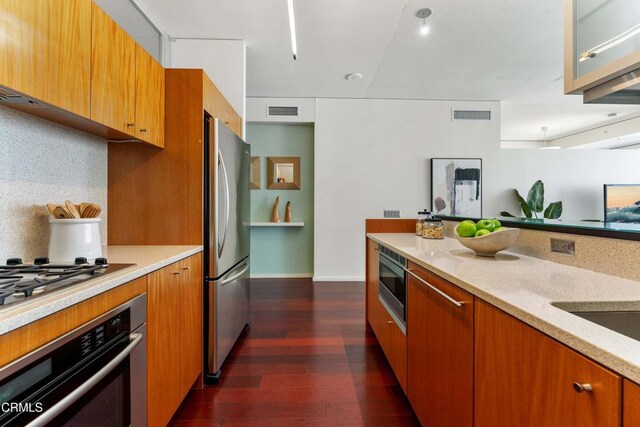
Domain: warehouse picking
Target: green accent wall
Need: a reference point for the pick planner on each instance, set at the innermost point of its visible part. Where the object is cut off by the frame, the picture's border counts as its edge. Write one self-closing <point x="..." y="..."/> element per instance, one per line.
<point x="282" y="250"/>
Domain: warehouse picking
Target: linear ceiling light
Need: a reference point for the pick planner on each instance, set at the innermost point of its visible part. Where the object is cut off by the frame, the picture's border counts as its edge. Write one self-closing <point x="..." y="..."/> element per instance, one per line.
<point x="591" y="53"/>
<point x="292" y="27"/>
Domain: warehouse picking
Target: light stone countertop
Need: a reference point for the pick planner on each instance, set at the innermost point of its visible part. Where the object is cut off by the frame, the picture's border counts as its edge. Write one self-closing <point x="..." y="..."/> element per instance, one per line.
<point x="145" y="258"/>
<point x="526" y="288"/>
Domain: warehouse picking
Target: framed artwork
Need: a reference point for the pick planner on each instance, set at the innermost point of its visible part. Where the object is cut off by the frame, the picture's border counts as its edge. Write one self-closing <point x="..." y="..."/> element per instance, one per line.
<point x="622" y="203"/>
<point x="254" y="184"/>
<point x="456" y="187"/>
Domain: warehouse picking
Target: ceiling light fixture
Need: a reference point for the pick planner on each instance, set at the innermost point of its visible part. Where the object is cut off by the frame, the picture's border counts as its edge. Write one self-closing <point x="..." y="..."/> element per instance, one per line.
<point x="353" y="77"/>
<point x="292" y="28"/>
<point x="424" y="14"/>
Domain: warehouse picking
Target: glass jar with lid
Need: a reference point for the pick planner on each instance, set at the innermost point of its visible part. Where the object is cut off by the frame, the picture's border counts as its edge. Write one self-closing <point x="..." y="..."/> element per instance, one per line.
<point x="422" y="216"/>
<point x="432" y="228"/>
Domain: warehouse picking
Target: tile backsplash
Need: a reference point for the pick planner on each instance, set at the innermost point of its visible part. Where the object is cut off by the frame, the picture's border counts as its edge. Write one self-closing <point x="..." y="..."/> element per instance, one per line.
<point x="43" y="162"/>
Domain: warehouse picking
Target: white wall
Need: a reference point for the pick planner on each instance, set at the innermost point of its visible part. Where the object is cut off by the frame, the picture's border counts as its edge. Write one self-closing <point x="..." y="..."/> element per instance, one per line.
<point x="224" y="61"/>
<point x="373" y="155"/>
<point x="257" y="109"/>
<point x="43" y="162"/>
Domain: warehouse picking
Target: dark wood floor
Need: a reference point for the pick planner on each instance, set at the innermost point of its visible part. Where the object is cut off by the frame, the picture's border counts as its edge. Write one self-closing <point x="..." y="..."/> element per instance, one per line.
<point x="307" y="359"/>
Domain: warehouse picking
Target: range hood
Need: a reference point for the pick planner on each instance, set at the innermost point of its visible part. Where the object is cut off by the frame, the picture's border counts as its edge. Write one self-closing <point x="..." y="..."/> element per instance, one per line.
<point x="621" y="90"/>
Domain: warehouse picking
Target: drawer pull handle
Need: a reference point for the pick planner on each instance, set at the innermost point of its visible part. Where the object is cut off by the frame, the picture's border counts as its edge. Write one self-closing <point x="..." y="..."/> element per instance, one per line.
<point x="185" y="268"/>
<point x="176" y="272"/>
<point x="434" y="289"/>
<point x="389" y="322"/>
<point x="582" y="387"/>
<point x="143" y="130"/>
<point x="130" y="125"/>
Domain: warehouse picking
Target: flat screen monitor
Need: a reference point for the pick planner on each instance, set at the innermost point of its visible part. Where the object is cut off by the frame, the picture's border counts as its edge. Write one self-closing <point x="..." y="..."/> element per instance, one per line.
<point x="622" y="203"/>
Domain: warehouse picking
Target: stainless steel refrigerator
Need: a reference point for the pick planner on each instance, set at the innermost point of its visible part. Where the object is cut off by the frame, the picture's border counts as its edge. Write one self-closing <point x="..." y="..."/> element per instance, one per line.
<point x="226" y="242"/>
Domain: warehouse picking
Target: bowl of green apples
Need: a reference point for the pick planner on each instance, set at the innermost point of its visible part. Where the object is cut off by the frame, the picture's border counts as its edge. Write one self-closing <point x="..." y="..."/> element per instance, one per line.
<point x="486" y="237"/>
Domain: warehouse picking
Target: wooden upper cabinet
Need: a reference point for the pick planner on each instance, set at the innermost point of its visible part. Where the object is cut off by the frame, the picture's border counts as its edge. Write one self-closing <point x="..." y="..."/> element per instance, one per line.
<point x="46" y="51"/>
<point x="149" y="111"/>
<point x="113" y="80"/>
<point x="440" y="351"/>
<point x="525" y="378"/>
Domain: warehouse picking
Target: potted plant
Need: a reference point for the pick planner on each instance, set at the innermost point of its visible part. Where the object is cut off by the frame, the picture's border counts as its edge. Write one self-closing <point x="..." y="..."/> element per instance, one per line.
<point x="534" y="204"/>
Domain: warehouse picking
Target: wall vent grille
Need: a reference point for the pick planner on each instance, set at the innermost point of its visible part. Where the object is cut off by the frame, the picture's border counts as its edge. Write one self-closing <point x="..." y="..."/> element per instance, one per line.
<point x="283" y="111"/>
<point x="471" y="115"/>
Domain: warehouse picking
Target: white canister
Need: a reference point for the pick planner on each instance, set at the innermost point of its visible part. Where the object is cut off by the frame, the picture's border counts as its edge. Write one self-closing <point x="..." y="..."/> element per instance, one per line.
<point x="71" y="238"/>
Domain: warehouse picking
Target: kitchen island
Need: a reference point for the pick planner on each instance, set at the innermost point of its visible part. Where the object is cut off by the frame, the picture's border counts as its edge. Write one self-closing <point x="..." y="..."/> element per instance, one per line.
<point x="512" y="338"/>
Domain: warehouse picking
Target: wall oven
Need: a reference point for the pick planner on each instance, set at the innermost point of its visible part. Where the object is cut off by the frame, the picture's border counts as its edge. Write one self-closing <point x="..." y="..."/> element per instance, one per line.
<point x="392" y="287"/>
<point x="94" y="375"/>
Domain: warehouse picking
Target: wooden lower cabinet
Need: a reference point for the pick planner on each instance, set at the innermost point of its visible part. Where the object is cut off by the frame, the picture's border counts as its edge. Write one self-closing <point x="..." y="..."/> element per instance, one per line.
<point x="439" y="351"/>
<point x="174" y="342"/>
<point x="372" y="282"/>
<point x="393" y="342"/>
<point x="631" y="404"/>
<point x="524" y="378"/>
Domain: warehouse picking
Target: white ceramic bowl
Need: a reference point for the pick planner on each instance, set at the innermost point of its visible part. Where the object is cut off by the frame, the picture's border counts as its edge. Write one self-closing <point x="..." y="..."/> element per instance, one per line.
<point x="490" y="244"/>
<point x="71" y="238"/>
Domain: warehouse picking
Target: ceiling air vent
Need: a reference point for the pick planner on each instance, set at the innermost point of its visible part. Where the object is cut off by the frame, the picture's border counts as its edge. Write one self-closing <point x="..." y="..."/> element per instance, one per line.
<point x="471" y="115"/>
<point x="283" y="111"/>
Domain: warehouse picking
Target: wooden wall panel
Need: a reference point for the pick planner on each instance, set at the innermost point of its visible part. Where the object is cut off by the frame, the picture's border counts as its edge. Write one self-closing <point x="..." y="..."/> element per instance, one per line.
<point x="388" y="225"/>
<point x="23" y="340"/>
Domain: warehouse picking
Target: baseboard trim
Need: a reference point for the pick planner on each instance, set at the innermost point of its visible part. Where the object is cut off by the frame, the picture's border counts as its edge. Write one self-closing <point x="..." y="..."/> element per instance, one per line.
<point x="282" y="276"/>
<point x="337" y="279"/>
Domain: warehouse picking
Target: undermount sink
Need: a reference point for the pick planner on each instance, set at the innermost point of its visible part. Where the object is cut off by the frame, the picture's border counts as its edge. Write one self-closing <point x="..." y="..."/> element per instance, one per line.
<point x="624" y="322"/>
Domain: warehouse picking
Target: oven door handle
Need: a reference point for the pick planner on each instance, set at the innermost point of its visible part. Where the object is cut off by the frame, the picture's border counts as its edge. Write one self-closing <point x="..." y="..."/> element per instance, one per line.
<point x="55" y="410"/>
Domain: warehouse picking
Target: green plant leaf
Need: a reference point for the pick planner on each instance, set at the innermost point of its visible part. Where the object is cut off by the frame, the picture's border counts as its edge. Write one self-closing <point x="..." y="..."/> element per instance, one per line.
<point x="553" y="211"/>
<point x="507" y="214"/>
<point x="526" y="210"/>
<point x="535" y="198"/>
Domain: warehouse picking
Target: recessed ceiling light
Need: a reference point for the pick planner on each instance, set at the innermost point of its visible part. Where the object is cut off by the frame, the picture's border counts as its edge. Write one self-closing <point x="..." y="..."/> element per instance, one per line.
<point x="612" y="115"/>
<point x="353" y="77"/>
<point x="424" y="14"/>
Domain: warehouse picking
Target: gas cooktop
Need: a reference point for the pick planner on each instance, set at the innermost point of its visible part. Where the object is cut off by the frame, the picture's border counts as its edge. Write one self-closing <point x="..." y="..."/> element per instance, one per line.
<point x="20" y="281"/>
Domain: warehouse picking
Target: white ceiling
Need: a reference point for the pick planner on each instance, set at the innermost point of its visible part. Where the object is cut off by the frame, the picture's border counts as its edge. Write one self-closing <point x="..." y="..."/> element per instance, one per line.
<point x="477" y="50"/>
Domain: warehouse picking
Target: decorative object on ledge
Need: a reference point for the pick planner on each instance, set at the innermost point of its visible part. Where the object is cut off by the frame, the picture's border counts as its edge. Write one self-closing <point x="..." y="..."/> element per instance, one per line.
<point x="287" y="212"/>
<point x="255" y="173"/>
<point x="622" y="203"/>
<point x="283" y="173"/>
<point x="275" y="217"/>
<point x="276" y="224"/>
<point x="456" y="187"/>
<point x="535" y="204"/>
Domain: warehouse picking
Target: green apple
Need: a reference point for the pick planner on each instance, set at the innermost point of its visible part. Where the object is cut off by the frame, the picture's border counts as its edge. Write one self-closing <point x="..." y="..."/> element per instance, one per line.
<point x="499" y="229"/>
<point x="496" y="223"/>
<point x="486" y="224"/>
<point x="466" y="229"/>
<point x="482" y="232"/>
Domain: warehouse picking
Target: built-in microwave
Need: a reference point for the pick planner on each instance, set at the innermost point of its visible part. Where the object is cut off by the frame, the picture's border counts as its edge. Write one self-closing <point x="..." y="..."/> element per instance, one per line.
<point x="392" y="286"/>
<point x="94" y="375"/>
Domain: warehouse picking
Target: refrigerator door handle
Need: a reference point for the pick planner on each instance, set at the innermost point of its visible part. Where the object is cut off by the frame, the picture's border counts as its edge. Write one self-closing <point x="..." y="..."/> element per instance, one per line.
<point x="235" y="276"/>
<point x="226" y="204"/>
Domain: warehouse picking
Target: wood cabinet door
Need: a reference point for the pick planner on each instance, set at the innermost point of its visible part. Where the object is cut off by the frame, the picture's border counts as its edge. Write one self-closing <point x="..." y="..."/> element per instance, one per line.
<point x="163" y="344"/>
<point x="372" y="281"/>
<point x="631" y="404"/>
<point x="440" y="351"/>
<point x="525" y="378"/>
<point x="46" y="51"/>
<point x="191" y="289"/>
<point x="394" y="344"/>
<point x="113" y="74"/>
<point x="149" y="114"/>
